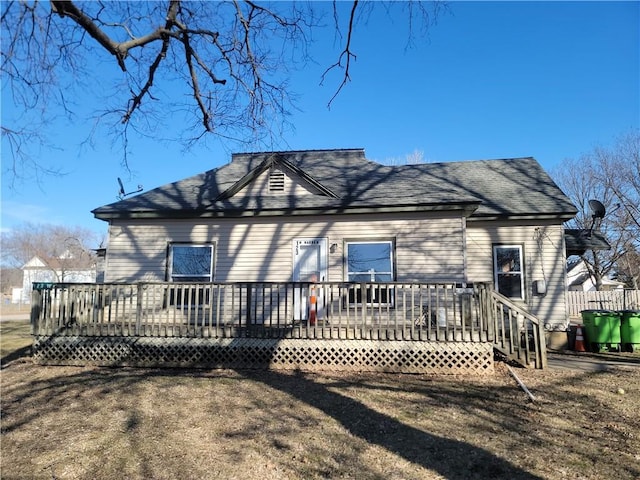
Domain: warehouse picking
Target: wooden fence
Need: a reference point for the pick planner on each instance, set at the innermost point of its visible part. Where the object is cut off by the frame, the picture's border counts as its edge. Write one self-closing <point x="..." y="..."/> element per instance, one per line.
<point x="618" y="299"/>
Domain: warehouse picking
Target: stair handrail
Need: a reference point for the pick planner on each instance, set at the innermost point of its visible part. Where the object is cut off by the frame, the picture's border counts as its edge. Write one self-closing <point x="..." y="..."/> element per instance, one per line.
<point x="494" y="309"/>
<point x="539" y="341"/>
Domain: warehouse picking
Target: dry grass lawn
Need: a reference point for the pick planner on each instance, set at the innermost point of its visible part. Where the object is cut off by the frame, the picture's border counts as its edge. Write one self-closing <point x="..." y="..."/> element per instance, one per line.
<point x="15" y="339"/>
<point x="99" y="423"/>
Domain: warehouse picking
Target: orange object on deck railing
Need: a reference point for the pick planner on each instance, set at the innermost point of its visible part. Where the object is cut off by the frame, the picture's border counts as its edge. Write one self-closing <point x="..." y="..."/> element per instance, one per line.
<point x="313" y="300"/>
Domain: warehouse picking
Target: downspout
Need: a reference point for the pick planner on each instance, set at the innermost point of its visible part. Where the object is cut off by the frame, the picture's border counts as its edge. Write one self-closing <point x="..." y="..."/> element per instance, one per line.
<point x="565" y="272"/>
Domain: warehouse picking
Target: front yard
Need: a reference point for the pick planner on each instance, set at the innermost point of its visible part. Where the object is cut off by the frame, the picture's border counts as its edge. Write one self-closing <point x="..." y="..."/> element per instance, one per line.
<point x="15" y="339"/>
<point x="100" y="423"/>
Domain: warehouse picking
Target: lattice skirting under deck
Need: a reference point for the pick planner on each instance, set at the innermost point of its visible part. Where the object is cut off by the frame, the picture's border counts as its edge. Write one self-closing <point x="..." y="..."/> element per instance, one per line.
<point x="318" y="355"/>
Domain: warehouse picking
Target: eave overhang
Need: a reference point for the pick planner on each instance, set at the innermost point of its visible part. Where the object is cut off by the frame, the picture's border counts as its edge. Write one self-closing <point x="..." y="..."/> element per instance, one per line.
<point x="463" y="208"/>
<point x="560" y="217"/>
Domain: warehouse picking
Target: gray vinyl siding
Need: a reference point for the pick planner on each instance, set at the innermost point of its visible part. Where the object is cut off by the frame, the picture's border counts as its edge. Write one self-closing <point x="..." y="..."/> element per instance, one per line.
<point x="428" y="248"/>
<point x="544" y="259"/>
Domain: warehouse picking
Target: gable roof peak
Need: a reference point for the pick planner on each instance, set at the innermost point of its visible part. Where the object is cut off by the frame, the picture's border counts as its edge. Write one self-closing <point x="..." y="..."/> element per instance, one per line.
<point x="281" y="161"/>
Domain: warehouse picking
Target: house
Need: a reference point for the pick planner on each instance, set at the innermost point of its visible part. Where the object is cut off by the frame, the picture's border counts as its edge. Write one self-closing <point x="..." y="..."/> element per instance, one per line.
<point x="55" y="269"/>
<point x="333" y="215"/>
<point x="323" y="259"/>
<point x="580" y="280"/>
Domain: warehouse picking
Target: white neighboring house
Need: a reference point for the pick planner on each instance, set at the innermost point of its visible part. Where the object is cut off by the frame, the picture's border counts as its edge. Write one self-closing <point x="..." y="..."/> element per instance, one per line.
<point x="579" y="279"/>
<point x="37" y="270"/>
<point x="16" y="295"/>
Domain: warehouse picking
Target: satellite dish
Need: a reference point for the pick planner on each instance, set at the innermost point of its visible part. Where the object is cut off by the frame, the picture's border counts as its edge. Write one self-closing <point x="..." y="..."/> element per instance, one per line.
<point x="598" y="214"/>
<point x="597" y="208"/>
<point x="121" y="192"/>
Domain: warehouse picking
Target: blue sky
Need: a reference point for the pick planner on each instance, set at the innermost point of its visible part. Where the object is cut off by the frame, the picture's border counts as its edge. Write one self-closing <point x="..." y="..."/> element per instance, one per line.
<point x="491" y="80"/>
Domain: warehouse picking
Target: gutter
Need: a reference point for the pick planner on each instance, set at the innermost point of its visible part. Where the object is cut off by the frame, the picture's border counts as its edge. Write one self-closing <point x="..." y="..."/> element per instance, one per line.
<point x="467" y="208"/>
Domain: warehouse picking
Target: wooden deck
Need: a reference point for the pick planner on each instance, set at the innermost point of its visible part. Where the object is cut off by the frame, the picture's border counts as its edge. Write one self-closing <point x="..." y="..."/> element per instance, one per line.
<point x="204" y="324"/>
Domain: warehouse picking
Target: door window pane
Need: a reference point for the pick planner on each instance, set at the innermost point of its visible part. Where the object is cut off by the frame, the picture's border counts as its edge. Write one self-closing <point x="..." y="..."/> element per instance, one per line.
<point x="309" y="263"/>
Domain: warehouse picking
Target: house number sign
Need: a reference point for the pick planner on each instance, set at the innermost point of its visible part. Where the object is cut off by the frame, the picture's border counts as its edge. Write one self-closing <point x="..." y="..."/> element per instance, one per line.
<point x="305" y="242"/>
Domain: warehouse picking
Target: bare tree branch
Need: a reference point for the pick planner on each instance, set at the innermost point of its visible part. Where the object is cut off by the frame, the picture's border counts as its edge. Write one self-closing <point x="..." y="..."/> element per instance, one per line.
<point x="346" y="53"/>
<point x="137" y="98"/>
<point x="188" y="51"/>
<point x="222" y="66"/>
<point x="68" y="9"/>
<point x="610" y="176"/>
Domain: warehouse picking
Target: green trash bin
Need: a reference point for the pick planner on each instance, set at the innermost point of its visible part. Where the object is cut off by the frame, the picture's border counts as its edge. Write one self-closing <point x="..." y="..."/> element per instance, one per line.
<point x="630" y="330"/>
<point x="602" y="329"/>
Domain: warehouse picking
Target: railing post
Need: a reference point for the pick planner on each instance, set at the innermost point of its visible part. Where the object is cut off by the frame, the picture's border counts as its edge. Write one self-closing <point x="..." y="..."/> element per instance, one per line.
<point x="139" y="290"/>
<point x="486" y="318"/>
<point x="36" y="311"/>
<point x="249" y="301"/>
<point x="363" y="309"/>
<point x="541" y="347"/>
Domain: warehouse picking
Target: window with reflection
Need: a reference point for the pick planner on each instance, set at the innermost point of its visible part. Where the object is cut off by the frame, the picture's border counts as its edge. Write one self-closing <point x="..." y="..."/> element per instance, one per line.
<point x="369" y="262"/>
<point x="508" y="272"/>
<point x="190" y="263"/>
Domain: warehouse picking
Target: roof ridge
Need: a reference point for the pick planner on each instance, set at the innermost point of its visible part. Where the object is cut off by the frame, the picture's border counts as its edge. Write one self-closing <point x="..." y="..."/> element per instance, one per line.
<point x="450" y="162"/>
<point x="280" y="152"/>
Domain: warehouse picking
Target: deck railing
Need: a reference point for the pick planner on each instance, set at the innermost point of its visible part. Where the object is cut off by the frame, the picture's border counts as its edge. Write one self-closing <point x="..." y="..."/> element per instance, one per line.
<point x="340" y="310"/>
<point x="514" y="332"/>
<point x="324" y="310"/>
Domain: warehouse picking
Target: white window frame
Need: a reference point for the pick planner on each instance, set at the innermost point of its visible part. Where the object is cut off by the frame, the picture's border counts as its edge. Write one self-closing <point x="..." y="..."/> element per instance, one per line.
<point x="374" y="300"/>
<point x="497" y="270"/>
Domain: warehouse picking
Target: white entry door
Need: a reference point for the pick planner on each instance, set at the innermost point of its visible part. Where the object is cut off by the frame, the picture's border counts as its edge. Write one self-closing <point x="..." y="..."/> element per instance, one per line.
<point x="309" y="265"/>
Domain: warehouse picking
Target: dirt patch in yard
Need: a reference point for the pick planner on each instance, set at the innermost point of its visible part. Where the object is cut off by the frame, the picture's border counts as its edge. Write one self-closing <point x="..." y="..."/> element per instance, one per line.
<point x="99" y="423"/>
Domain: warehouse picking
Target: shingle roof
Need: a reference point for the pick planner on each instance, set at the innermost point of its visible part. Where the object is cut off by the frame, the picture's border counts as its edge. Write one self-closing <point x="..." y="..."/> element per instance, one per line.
<point x="578" y="241"/>
<point x="490" y="188"/>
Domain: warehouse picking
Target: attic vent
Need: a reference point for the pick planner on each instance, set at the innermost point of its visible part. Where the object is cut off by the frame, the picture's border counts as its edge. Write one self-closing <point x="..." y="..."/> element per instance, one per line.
<point x="276" y="181"/>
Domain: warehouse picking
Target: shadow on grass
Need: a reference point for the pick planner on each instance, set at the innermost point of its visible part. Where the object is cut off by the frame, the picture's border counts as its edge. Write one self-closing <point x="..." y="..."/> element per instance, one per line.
<point x="487" y="410"/>
<point x="22" y="352"/>
<point x="450" y="458"/>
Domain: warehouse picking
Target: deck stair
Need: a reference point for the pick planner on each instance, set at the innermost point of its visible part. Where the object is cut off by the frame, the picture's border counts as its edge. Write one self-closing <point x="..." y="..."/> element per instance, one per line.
<point x="515" y="333"/>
